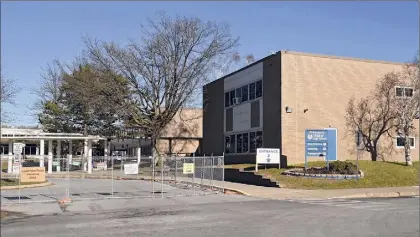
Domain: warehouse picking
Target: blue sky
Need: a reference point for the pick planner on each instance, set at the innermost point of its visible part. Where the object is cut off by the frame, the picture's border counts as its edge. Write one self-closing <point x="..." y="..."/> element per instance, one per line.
<point x="34" y="33"/>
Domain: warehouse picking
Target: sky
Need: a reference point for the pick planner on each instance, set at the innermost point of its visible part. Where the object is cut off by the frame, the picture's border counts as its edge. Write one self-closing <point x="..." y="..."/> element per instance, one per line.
<point x="35" y="33"/>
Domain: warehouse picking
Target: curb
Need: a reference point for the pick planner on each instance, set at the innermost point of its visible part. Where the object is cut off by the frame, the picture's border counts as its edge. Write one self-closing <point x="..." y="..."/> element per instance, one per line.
<point x="380" y="195"/>
<point x="27" y="186"/>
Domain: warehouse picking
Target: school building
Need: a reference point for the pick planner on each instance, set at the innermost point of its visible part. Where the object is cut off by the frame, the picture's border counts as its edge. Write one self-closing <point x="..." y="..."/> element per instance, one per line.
<point x="271" y="102"/>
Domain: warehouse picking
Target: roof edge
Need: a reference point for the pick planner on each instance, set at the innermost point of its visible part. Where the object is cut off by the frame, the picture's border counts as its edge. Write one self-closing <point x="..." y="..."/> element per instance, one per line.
<point x="341" y="57"/>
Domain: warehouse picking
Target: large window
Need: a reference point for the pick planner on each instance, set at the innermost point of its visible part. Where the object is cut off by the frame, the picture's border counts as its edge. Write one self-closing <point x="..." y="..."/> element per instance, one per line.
<point x="401" y="142"/>
<point x="245" y="93"/>
<point x="30" y="149"/>
<point x="245" y="143"/>
<point x="404" y="92"/>
<point x="252" y="91"/>
<point x="232" y="97"/>
<point x="4" y="150"/>
<point x="258" y="89"/>
<point x="232" y="144"/>
<point x="239" y="143"/>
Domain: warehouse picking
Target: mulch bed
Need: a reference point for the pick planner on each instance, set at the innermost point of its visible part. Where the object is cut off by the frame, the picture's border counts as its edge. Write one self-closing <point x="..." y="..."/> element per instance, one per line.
<point x="324" y="170"/>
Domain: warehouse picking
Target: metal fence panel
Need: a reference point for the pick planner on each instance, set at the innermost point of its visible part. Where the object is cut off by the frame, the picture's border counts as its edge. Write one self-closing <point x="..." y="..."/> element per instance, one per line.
<point x="111" y="177"/>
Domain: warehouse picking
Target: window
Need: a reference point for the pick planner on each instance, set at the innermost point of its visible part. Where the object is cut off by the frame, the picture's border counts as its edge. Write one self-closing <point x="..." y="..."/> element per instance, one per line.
<point x="258" y="89"/>
<point x="227" y="144"/>
<point x="255" y="141"/>
<point x="232" y="96"/>
<point x="227" y="100"/>
<point x="239" y="93"/>
<point x="401" y="142"/>
<point x="239" y="143"/>
<point x="404" y="92"/>
<point x="232" y="144"/>
<point x="245" y="93"/>
<point x="251" y="91"/>
<point x="4" y="149"/>
<point x="258" y="139"/>
<point x="30" y="150"/>
<point x="245" y="143"/>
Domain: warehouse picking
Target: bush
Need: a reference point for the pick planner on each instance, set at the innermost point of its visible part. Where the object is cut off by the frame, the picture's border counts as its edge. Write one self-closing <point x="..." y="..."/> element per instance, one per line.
<point x="343" y="167"/>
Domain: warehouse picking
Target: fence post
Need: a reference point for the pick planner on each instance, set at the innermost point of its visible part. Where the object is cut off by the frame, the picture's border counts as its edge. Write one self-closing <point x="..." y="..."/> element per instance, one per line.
<point x="20" y="166"/>
<point x="176" y="169"/>
<point x="153" y="175"/>
<point x="202" y="170"/>
<point x="211" y="172"/>
<point x="223" y="174"/>
<point x="112" y="177"/>
<point x="161" y="176"/>
<point x="193" y="182"/>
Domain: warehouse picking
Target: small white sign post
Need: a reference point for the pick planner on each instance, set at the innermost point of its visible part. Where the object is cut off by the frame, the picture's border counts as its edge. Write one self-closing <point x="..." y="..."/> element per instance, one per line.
<point x="267" y="156"/>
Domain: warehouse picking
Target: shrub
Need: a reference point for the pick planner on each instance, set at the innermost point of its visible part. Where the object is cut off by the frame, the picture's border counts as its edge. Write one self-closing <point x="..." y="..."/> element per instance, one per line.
<point x="343" y="167"/>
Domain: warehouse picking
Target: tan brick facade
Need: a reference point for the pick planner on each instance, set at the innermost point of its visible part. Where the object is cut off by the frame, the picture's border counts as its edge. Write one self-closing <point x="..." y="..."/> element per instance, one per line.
<point x="184" y="132"/>
<point x="323" y="85"/>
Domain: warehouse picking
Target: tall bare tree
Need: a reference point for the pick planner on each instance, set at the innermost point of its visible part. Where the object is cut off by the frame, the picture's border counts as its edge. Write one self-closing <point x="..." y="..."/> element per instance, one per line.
<point x="170" y="63"/>
<point x="8" y="92"/>
<point x="407" y="105"/>
<point x="373" y="117"/>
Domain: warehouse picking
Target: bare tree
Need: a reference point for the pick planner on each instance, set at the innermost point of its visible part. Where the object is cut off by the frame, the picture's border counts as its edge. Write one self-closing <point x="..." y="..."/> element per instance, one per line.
<point x="373" y="117"/>
<point x="407" y="105"/>
<point x="8" y="92"/>
<point x="172" y="61"/>
<point x="232" y="63"/>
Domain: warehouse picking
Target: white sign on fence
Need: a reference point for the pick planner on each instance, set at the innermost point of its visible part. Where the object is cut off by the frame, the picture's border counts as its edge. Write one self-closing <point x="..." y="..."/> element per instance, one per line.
<point x="267" y="156"/>
<point x="17" y="148"/>
<point x="131" y="168"/>
<point x="102" y="166"/>
<point x="16" y="168"/>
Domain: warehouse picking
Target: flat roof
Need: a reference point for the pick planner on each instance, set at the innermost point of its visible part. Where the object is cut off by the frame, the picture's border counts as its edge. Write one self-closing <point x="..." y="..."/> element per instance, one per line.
<point x="305" y="54"/>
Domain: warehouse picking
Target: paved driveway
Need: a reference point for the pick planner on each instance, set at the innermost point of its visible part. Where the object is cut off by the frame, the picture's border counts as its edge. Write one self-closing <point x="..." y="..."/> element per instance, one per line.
<point x="221" y="215"/>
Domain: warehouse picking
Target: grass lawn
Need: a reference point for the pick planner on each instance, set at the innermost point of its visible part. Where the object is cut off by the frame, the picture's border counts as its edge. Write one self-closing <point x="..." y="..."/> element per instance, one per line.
<point x="377" y="174"/>
<point x="15" y="182"/>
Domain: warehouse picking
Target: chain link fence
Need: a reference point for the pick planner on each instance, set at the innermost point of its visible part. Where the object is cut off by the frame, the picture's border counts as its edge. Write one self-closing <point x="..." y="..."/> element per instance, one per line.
<point x="55" y="178"/>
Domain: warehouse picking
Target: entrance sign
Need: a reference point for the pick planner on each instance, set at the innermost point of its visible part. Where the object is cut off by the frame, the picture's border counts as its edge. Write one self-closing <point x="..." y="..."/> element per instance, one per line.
<point x="321" y="143"/>
<point x="131" y="168"/>
<point x="267" y="156"/>
<point x="32" y="174"/>
<point x="188" y="168"/>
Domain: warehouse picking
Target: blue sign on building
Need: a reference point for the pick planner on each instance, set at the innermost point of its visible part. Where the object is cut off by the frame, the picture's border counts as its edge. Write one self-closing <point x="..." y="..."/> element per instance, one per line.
<point x="321" y="143"/>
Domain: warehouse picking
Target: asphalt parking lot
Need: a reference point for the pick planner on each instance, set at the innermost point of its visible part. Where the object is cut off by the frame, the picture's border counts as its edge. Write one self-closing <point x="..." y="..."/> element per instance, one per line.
<point x="80" y="189"/>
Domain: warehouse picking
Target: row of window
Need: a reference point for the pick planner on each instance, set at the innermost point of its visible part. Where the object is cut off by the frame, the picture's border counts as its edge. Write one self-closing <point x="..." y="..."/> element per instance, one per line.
<point x="243" y="142"/>
<point x="251" y="91"/>
<point x="29" y="149"/>
<point x="404" y="91"/>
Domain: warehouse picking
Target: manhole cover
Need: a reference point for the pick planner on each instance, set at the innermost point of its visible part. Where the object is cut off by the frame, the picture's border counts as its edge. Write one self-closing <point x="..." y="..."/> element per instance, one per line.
<point x="159" y="192"/>
<point x="104" y="194"/>
<point x="13" y="198"/>
<point x="75" y="194"/>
